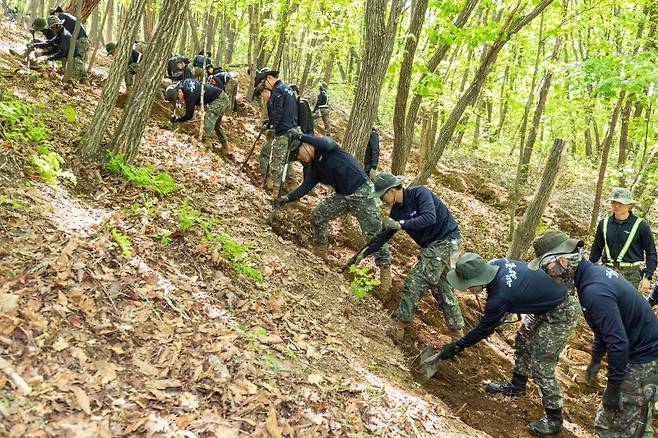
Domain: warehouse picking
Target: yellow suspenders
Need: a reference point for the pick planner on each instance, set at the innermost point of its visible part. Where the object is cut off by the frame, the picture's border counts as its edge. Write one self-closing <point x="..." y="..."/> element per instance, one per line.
<point x="624" y="249"/>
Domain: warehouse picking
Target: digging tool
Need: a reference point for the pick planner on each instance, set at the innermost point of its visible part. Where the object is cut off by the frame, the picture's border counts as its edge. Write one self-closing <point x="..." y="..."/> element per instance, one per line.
<point x="650" y="391"/>
<point x="352" y="260"/>
<point x="251" y="151"/>
<point x="429" y="360"/>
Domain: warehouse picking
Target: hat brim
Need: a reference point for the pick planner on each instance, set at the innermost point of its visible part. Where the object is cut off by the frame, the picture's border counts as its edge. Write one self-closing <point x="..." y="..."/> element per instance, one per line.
<point x="485" y="277"/>
<point x="567" y="247"/>
<point x="623" y="201"/>
<point x="378" y="193"/>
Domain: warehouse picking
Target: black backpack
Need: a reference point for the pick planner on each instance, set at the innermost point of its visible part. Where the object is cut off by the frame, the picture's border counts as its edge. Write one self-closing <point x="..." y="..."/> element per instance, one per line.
<point x="305" y="116"/>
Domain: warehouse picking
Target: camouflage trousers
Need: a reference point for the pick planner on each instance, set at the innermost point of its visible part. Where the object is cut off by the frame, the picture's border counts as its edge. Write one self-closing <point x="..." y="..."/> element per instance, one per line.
<point x="212" y="121"/>
<point x="83" y="45"/>
<point x="624" y="423"/>
<point x="538" y="344"/>
<point x="79" y="70"/>
<point x="131" y="71"/>
<point x="231" y="89"/>
<point x="264" y="155"/>
<point x="324" y="113"/>
<point x="358" y="204"/>
<point x="275" y="152"/>
<point x="197" y="73"/>
<point x="633" y="274"/>
<point x="430" y="273"/>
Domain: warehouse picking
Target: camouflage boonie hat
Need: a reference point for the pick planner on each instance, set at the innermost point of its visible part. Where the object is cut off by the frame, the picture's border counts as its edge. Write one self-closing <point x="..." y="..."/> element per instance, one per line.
<point x="621" y="195"/>
<point x="171" y="93"/>
<point x="39" y="24"/>
<point x="552" y="242"/>
<point x="471" y="270"/>
<point x="110" y="47"/>
<point x="384" y="181"/>
<point x="53" y="21"/>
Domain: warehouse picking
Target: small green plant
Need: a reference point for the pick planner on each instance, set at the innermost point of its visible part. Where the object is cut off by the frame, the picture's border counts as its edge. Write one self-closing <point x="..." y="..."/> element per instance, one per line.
<point x="14" y="204"/>
<point x="273" y="361"/>
<point x="162" y="183"/>
<point x="49" y="166"/>
<point x="69" y="113"/>
<point x="363" y="281"/>
<point x="165" y="238"/>
<point x="123" y="241"/>
<point x="291" y="354"/>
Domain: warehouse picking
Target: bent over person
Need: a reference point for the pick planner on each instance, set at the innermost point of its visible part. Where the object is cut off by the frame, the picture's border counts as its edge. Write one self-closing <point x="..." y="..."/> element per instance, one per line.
<point x="329" y="164"/>
<point x="625" y="328"/>
<point x="430" y="224"/>
<point x="551" y="313"/>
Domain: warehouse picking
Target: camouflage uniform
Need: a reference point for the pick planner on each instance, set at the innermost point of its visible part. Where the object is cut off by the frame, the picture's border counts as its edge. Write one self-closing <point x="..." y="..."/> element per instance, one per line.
<point x="231" y="88"/>
<point x="624" y="423"/>
<point x="538" y="344"/>
<point x="632" y="273"/>
<point x="79" y="70"/>
<point x="83" y="45"/>
<point x="212" y="121"/>
<point x="264" y="156"/>
<point x="360" y="206"/>
<point x="324" y="112"/>
<point x="430" y="273"/>
<point x="132" y="70"/>
<point x="279" y="150"/>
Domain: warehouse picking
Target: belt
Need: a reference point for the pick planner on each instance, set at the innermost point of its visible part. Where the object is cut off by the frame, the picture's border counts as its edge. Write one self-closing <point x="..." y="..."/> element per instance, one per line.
<point x="624" y="264"/>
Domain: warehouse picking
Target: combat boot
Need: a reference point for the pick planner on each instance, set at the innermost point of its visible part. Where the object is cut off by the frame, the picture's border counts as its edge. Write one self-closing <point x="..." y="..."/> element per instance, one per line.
<point x="514" y="387"/>
<point x="549" y="424"/>
<point x="385" y="284"/>
<point x="226" y="150"/>
<point x="455" y="334"/>
<point x="398" y="330"/>
<point x="321" y="250"/>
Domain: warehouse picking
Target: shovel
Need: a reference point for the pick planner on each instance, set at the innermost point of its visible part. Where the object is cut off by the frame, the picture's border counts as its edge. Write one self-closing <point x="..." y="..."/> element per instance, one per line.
<point x="429" y="360"/>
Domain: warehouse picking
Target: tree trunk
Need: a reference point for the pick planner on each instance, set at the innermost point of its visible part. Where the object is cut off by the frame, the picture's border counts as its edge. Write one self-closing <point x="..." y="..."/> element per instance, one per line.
<point x="531" y="218"/>
<point x="308" y="62"/>
<point x="149" y="21"/>
<point x="418" y="12"/>
<point x="84" y="11"/>
<point x="289" y="9"/>
<point x="194" y="32"/>
<point x="507" y="31"/>
<point x="380" y="28"/>
<point x="110" y="21"/>
<point x="623" y="133"/>
<point x="98" y="41"/>
<point x="182" y="46"/>
<point x="231" y="34"/>
<point x="605" y="149"/>
<point x="129" y="132"/>
<point x="74" y="41"/>
<point x="402" y="148"/>
<point x="588" y="141"/>
<point x="90" y="145"/>
<point x="329" y="67"/>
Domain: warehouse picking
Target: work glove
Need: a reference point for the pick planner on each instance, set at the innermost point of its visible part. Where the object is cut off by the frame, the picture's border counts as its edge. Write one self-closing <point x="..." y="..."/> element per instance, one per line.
<point x="372" y="174"/>
<point x="591" y="373"/>
<point x="354" y="260"/>
<point x="173" y="118"/>
<point x="41" y="59"/>
<point x="265" y="126"/>
<point x="391" y="224"/>
<point x="280" y="202"/>
<point x="450" y="350"/>
<point x="612" y="397"/>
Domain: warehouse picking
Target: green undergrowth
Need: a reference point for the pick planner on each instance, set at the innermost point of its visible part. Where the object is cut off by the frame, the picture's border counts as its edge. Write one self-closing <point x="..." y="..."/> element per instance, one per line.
<point x="238" y="254"/>
<point x="363" y="281"/>
<point x="22" y="124"/>
<point x="12" y="202"/>
<point x="161" y="183"/>
<point x="123" y="241"/>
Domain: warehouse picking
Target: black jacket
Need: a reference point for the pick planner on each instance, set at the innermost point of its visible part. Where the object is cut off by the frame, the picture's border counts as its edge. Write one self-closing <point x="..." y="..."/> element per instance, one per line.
<point x="282" y="108"/>
<point x="305" y="116"/>
<point x="69" y="24"/>
<point x="176" y="74"/>
<point x="192" y="92"/>
<point x="322" y="100"/>
<point x="371" y="159"/>
<point x="62" y="42"/>
<point x="331" y="166"/>
<point x="201" y="61"/>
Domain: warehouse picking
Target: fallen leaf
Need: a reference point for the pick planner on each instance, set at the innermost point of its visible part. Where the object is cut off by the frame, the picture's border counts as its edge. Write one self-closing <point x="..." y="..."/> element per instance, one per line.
<point x="145" y="367"/>
<point x="9" y="304"/>
<point x="105" y="371"/>
<point x="82" y="399"/>
<point x="272" y="425"/>
<point x="315" y="379"/>
<point x="60" y="345"/>
<point x="312" y="353"/>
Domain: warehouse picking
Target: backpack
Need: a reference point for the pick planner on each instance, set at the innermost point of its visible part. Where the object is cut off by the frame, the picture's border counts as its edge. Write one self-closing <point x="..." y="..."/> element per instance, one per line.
<point x="304" y="116"/>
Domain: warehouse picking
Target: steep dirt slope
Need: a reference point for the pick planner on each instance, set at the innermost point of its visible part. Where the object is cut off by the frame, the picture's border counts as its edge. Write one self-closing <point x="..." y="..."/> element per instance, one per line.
<point x="172" y="341"/>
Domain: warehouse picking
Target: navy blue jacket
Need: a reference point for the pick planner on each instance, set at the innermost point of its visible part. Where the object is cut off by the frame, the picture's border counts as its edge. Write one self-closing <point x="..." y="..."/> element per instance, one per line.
<point x="322" y="100"/>
<point x="69" y="24"/>
<point x="282" y="108"/>
<point x="219" y="81"/>
<point x="135" y="56"/>
<point x="200" y="61"/>
<point x="623" y="323"/>
<point x="305" y="116"/>
<point x="192" y="92"/>
<point x="643" y="247"/>
<point x="176" y="74"/>
<point x="371" y="159"/>
<point x="61" y="41"/>
<point x="514" y="289"/>
<point x="426" y="219"/>
<point x="331" y="166"/>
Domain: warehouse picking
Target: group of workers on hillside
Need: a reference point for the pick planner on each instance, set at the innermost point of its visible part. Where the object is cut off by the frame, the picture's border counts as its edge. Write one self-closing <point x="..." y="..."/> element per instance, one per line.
<point x="552" y="290"/>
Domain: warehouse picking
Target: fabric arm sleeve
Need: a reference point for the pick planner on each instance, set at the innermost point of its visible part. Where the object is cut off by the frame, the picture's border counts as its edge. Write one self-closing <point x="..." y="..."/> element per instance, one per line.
<point x="302" y="190"/>
<point x="189" y="109"/>
<point x="598" y="348"/>
<point x="426" y="213"/>
<point x="597" y="245"/>
<point x="276" y="110"/>
<point x="609" y="326"/>
<point x="375" y="153"/>
<point x="494" y="312"/>
<point x="649" y="249"/>
<point x="378" y="243"/>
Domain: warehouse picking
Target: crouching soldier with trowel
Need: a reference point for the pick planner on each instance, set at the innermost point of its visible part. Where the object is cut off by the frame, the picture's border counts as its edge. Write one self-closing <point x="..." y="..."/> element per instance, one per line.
<point x="551" y="314"/>
<point x="430" y="224"/>
<point x="624" y="327"/>
<point x="331" y="165"/>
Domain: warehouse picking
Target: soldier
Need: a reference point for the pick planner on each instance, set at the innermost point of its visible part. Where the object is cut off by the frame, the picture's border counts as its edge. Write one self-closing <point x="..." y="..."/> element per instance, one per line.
<point x="551" y="317"/>
<point x="304" y="113"/>
<point x="332" y="166"/>
<point x="39" y="24"/>
<point x="178" y="69"/>
<point x="61" y="42"/>
<point x="624" y="327"/>
<point x="215" y="101"/>
<point x="371" y="159"/>
<point x="230" y="81"/>
<point x="199" y="64"/>
<point x="624" y="242"/>
<point x="282" y="118"/>
<point x="82" y="43"/>
<point x="429" y="223"/>
<point x="133" y="64"/>
<point x="322" y="108"/>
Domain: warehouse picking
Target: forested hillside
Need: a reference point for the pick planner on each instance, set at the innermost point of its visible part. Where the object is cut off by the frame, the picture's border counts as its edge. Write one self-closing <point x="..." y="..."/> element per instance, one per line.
<point x="158" y="279"/>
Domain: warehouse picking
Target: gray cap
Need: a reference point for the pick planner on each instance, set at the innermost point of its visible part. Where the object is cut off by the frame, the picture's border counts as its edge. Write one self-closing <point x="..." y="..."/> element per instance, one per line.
<point x="54" y="20"/>
<point x="384" y="181"/>
<point x="471" y="270"/>
<point x="621" y="195"/>
<point x="552" y="242"/>
<point x="171" y="93"/>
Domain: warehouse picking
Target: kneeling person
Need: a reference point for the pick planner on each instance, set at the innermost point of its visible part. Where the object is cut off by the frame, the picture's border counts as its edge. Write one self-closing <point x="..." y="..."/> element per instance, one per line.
<point x="551" y="316"/>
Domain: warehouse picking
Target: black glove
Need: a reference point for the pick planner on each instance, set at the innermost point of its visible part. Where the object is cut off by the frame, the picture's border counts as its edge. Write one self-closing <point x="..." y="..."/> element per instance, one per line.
<point x="265" y="126"/>
<point x="280" y="202"/>
<point x="612" y="397"/>
<point x="173" y="118"/>
<point x="592" y="370"/>
<point x="450" y="350"/>
<point x="391" y="224"/>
